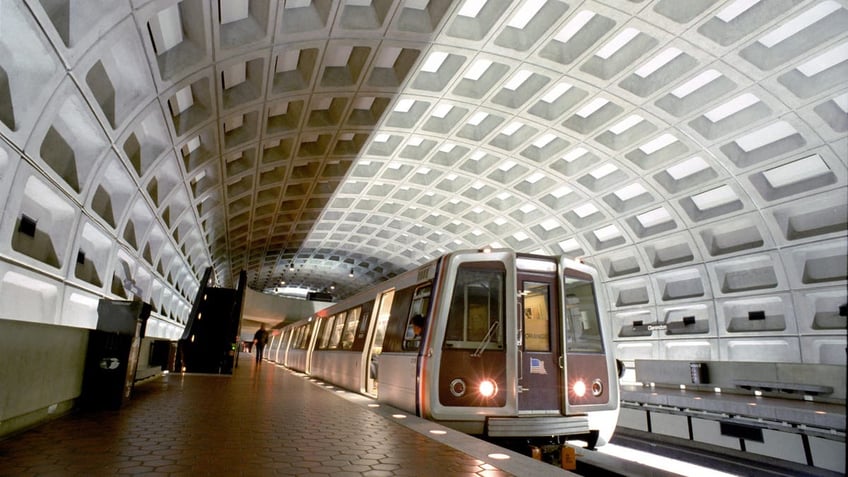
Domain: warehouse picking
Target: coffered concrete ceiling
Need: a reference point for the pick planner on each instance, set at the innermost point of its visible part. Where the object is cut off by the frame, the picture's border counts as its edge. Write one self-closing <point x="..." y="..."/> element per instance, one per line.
<point x="337" y="143"/>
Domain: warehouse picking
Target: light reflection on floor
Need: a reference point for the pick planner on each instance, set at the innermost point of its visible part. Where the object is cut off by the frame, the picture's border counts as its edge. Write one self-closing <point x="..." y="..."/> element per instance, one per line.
<point x="660" y="462"/>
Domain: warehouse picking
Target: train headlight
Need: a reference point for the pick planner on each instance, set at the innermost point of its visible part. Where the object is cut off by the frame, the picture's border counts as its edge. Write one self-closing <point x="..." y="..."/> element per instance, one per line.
<point x="488" y="388"/>
<point x="579" y="388"/>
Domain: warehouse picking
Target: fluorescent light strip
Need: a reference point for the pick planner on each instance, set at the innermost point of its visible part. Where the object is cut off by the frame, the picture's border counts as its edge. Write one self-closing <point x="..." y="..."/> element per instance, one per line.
<point x="442" y="110"/>
<point x="714" y="198"/>
<point x="607" y="233"/>
<point x="633" y="190"/>
<point x="561" y="192"/>
<point x="654" y="217"/>
<point x="387" y="57"/>
<point x="534" y="177"/>
<point x="577" y="153"/>
<point x="520" y="236"/>
<point x="767" y="135"/>
<point x="592" y="107"/>
<point x="687" y="168"/>
<point x="796" y="171"/>
<point x="735" y="9"/>
<point x="841" y="102"/>
<point x="506" y="166"/>
<point x="549" y="225"/>
<point x="585" y="210"/>
<point x="732" y="107"/>
<point x="603" y="171"/>
<point x="477" y="118"/>
<point x="575" y="25"/>
<point x="182" y="100"/>
<point x="471" y="8"/>
<point x="798" y="23"/>
<point x="288" y="61"/>
<point x="477" y="69"/>
<point x="322" y="104"/>
<point x="555" y="92"/>
<point x="364" y="103"/>
<point x="278" y="109"/>
<point x="544" y="140"/>
<point x="658" y="62"/>
<point x="415" y="141"/>
<point x="338" y="56"/>
<point x="525" y="13"/>
<point x="517" y="80"/>
<point x="658" y="143"/>
<point x="826" y="60"/>
<point x="696" y="83"/>
<point x="617" y="43"/>
<point x="527" y="208"/>
<point x="404" y="105"/>
<point x="626" y="124"/>
<point x="512" y="128"/>
<point x="569" y="245"/>
<point x="434" y="61"/>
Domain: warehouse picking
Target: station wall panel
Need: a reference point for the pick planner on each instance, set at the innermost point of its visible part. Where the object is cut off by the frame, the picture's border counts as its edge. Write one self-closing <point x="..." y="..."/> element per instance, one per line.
<point x="781" y="445"/>
<point x="708" y="431"/>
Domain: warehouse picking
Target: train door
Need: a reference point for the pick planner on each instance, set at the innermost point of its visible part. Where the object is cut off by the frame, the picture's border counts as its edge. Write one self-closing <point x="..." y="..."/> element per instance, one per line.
<point x="540" y="377"/>
<point x="383" y="311"/>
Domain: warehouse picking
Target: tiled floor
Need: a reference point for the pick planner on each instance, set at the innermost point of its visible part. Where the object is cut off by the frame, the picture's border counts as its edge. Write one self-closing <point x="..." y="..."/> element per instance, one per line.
<point x="263" y="420"/>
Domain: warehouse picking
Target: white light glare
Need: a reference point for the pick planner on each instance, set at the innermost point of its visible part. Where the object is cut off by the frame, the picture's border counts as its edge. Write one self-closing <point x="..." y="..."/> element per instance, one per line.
<point x="579" y="388"/>
<point x="488" y="388"/>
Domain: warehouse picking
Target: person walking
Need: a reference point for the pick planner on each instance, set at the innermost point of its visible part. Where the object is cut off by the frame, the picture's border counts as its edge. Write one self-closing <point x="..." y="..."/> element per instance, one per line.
<point x="259" y="340"/>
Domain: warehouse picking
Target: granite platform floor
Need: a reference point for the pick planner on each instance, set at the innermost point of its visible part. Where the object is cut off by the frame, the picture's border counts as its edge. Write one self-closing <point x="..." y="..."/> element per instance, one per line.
<point x="262" y="420"/>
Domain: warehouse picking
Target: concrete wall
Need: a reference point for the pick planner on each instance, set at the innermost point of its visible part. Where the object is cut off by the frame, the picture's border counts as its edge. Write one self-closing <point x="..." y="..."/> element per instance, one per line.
<point x="41" y="372"/>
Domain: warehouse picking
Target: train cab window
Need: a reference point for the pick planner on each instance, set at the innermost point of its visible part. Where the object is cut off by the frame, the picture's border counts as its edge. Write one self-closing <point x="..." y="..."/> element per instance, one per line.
<point x="420" y="305"/>
<point x="582" y="325"/>
<point x="349" y="333"/>
<point x="476" y="314"/>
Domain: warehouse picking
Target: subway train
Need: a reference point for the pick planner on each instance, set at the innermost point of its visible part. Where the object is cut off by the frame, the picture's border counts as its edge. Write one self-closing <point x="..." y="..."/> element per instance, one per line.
<point x="513" y="346"/>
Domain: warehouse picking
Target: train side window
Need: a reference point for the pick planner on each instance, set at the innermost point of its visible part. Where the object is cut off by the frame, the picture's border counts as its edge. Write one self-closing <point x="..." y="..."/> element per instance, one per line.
<point x="338" y="326"/>
<point x="303" y="337"/>
<point x="477" y="307"/>
<point x="349" y="332"/>
<point x="582" y="325"/>
<point x="325" y="331"/>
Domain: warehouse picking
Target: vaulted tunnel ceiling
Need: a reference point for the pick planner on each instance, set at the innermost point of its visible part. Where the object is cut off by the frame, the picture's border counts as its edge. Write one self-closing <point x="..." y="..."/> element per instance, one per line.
<point x="308" y="141"/>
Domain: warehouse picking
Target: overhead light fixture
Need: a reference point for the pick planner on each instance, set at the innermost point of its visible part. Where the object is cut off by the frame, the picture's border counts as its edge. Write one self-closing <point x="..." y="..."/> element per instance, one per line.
<point x="351" y="273"/>
<point x="291" y="266"/>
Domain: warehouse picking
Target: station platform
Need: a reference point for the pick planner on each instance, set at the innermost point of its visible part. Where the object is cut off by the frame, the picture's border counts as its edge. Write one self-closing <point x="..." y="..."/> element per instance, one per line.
<point x="262" y="420"/>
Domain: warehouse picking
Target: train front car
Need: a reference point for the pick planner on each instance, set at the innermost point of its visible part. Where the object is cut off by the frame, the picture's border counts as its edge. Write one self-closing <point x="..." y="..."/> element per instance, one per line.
<point x="516" y="349"/>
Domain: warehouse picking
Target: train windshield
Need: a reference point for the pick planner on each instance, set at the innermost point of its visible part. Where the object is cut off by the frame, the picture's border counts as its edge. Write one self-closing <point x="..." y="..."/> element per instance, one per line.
<point x="582" y="325"/>
<point x="477" y="307"/>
